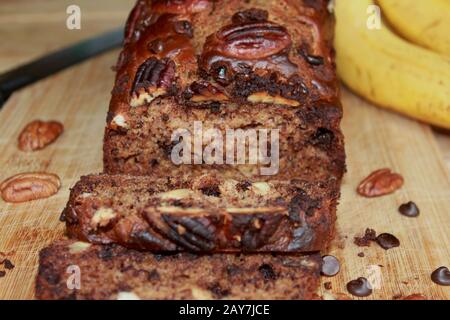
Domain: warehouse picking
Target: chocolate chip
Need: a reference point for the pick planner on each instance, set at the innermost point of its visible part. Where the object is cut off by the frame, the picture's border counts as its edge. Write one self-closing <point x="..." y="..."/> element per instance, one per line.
<point x="359" y="287"/>
<point x="328" y="285"/>
<point x="218" y="291"/>
<point x="153" y="275"/>
<point x="314" y="60"/>
<point x="387" y="241"/>
<point x="212" y="191"/>
<point x="361" y="254"/>
<point x="105" y="253"/>
<point x="409" y="209"/>
<point x="222" y="73"/>
<point x="323" y="138"/>
<point x="441" y="276"/>
<point x="330" y="266"/>
<point x="156" y="46"/>
<point x="184" y="27"/>
<point x="2" y="274"/>
<point x="267" y="272"/>
<point x="233" y="270"/>
<point x="8" y="264"/>
<point x="311" y="59"/>
<point x="243" y="186"/>
<point x="62" y="217"/>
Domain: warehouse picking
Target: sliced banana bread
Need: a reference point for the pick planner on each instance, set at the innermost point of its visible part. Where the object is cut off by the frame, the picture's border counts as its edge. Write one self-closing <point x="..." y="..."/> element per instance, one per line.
<point x="79" y="270"/>
<point x="208" y="213"/>
<point x="262" y="65"/>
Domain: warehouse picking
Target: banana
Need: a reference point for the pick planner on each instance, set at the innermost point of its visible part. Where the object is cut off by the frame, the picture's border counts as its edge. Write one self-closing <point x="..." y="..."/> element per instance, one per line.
<point x="424" y="22"/>
<point x="389" y="71"/>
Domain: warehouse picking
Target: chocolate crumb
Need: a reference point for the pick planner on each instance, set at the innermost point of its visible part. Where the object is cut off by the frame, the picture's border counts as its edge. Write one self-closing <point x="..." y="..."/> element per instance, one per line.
<point x="8" y="264"/>
<point x="2" y="274"/>
<point x="233" y="270"/>
<point x="364" y="241"/>
<point x="361" y="255"/>
<point x="153" y="275"/>
<point x="267" y="272"/>
<point x="328" y="285"/>
<point x="218" y="291"/>
<point x="243" y="186"/>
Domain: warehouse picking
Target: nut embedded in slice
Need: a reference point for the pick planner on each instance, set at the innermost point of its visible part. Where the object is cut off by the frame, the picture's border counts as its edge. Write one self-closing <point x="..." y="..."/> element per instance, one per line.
<point x="177" y="194"/>
<point x="262" y="188"/>
<point x="78" y="247"/>
<point x="124" y="295"/>
<point x="152" y="80"/>
<point x="102" y="217"/>
<point x="119" y="121"/>
<point x="263" y="97"/>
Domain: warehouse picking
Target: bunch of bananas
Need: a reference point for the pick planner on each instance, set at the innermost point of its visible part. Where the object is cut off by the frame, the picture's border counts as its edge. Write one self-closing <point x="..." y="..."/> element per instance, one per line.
<point x="407" y="70"/>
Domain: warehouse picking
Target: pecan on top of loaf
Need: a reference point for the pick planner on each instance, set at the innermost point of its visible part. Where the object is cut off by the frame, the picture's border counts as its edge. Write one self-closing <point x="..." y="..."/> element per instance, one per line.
<point x="196" y="52"/>
<point x="250" y="57"/>
<point x="167" y="45"/>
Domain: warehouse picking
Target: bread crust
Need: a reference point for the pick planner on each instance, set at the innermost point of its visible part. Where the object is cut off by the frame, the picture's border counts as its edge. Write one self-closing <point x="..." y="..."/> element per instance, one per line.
<point x="202" y="214"/>
<point x="230" y="64"/>
<point x="112" y="272"/>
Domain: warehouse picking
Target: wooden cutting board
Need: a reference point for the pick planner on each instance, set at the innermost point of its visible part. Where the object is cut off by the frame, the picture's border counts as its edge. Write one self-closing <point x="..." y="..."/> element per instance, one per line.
<point x="375" y="138"/>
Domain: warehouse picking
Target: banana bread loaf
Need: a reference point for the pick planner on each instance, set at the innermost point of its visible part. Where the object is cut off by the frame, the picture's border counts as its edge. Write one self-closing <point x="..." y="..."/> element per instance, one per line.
<point x="202" y="214"/>
<point x="79" y="270"/>
<point x="229" y="65"/>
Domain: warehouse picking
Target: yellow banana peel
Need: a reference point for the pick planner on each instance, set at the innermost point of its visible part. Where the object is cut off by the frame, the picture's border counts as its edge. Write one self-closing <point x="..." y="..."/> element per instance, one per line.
<point x="424" y="22"/>
<point x="387" y="70"/>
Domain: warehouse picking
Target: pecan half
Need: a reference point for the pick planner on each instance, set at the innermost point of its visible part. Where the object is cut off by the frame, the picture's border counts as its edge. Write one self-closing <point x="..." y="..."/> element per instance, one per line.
<point x="379" y="183"/>
<point x="253" y="49"/>
<point x="153" y="78"/>
<point x="132" y="24"/>
<point x="38" y="134"/>
<point x="250" y="41"/>
<point x="29" y="186"/>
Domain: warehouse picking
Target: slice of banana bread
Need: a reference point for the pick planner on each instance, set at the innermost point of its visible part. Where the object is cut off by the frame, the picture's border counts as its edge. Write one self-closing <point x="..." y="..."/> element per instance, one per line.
<point x="208" y="213"/>
<point x="79" y="270"/>
<point x="229" y="65"/>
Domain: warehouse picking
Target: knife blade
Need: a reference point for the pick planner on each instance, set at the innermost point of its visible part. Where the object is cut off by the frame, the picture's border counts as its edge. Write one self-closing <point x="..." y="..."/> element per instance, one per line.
<point x="29" y="73"/>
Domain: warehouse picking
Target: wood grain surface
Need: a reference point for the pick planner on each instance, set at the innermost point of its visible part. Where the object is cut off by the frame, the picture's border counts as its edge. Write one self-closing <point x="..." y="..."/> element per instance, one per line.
<point x="79" y="97"/>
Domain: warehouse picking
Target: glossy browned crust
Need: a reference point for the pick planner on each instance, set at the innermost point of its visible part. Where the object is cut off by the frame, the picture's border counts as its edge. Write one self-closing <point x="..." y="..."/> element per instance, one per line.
<point x="219" y="215"/>
<point x="202" y="60"/>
